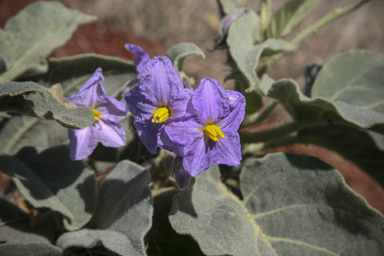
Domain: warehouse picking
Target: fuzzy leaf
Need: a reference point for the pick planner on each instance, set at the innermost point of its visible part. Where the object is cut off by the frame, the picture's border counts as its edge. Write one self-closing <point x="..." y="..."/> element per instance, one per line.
<point x="51" y="180"/>
<point x="216" y="219"/>
<point x="304" y="207"/>
<point x="31" y="35"/>
<point x="71" y="73"/>
<point x="123" y="215"/>
<point x="242" y="36"/>
<point x="355" y="77"/>
<point x="320" y="110"/>
<point x="30" y="249"/>
<point x="179" y="52"/>
<point x="35" y="100"/>
<point x="228" y="5"/>
<point x="288" y="16"/>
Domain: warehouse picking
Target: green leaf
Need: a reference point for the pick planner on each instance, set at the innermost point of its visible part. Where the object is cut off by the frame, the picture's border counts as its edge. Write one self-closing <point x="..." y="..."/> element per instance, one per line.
<point x="314" y="111"/>
<point x="356" y="145"/>
<point x="179" y="52"/>
<point x="123" y="215"/>
<point x="35" y="100"/>
<point x="216" y="219"/>
<point x="71" y="73"/>
<point x="162" y="238"/>
<point x="288" y="16"/>
<point x="304" y="207"/>
<point x="31" y="35"/>
<point x="355" y="77"/>
<point x="242" y="36"/>
<point x="228" y="5"/>
<point x="51" y="180"/>
<point x="30" y="249"/>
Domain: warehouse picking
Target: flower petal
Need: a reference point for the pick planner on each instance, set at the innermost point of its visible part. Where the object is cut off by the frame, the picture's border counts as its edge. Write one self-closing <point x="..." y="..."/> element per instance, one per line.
<point x="197" y="156"/>
<point x="112" y="108"/>
<point x="138" y="104"/>
<point x="92" y="91"/>
<point x="231" y="123"/>
<point x="141" y="57"/>
<point x="110" y="133"/>
<point x="210" y="101"/>
<point x="227" y="151"/>
<point x="82" y="143"/>
<point x="149" y="134"/>
<point x="183" y="132"/>
<point x="160" y="81"/>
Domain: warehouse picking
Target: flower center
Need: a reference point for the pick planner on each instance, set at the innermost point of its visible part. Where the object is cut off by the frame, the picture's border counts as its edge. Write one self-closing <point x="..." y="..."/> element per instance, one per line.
<point x="213" y="132"/>
<point x="97" y="114"/>
<point x="160" y="115"/>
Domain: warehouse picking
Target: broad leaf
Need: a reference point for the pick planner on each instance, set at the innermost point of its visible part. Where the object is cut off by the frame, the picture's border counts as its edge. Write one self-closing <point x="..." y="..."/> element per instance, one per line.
<point x="71" y="73"/>
<point x="30" y="249"/>
<point x="288" y="16"/>
<point x="35" y="100"/>
<point x="356" y="145"/>
<point x="51" y="180"/>
<point x="315" y="111"/>
<point x="162" y="238"/>
<point x="216" y="219"/>
<point x="304" y="207"/>
<point x="123" y="215"/>
<point x="355" y="77"/>
<point x="31" y="35"/>
<point x="179" y="52"/>
<point x="242" y="36"/>
<point x="228" y="5"/>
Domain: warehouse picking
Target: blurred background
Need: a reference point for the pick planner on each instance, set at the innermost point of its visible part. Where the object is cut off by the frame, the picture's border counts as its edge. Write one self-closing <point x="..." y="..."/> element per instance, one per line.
<point x="157" y="25"/>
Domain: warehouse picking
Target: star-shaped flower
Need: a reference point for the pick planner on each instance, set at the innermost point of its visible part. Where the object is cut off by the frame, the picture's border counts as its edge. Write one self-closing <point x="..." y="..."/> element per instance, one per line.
<point x="158" y="100"/>
<point x="106" y="128"/>
<point x="211" y="134"/>
<point x="141" y="57"/>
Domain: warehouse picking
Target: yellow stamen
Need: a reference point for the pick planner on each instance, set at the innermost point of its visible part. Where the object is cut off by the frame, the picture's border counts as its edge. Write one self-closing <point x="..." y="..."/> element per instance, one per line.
<point x="160" y="115"/>
<point x="213" y="132"/>
<point x="97" y="114"/>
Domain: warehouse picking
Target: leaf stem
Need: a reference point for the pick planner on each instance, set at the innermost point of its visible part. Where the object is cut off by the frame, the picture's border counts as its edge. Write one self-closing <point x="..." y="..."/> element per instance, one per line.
<point x="259" y="117"/>
<point x="332" y="15"/>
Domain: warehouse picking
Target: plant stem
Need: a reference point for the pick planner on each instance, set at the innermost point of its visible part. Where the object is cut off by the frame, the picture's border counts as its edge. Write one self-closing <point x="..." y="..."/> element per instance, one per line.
<point x="334" y="14"/>
<point x="259" y="117"/>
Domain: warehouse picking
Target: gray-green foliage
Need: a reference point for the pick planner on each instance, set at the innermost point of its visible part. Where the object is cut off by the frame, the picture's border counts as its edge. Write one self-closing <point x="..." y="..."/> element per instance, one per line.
<point x="228" y="5"/>
<point x="71" y="73"/>
<point x="305" y="208"/>
<point x="49" y="179"/>
<point x="33" y="34"/>
<point x="32" y="99"/>
<point x="297" y="204"/>
<point x="244" y="45"/>
<point x="123" y="215"/>
<point x="288" y="16"/>
<point x="179" y="52"/>
<point x="320" y="110"/>
<point x="216" y="219"/>
<point x="355" y="77"/>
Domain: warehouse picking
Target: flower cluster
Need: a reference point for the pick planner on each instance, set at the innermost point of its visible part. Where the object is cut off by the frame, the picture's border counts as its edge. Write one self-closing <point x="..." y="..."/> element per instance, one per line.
<point x="106" y="128"/>
<point x="200" y="126"/>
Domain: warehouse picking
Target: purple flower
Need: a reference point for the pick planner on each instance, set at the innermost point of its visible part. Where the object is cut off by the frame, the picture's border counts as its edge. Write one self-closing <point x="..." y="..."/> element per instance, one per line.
<point x="106" y="128"/>
<point x="158" y="100"/>
<point x="141" y="57"/>
<point x="210" y="136"/>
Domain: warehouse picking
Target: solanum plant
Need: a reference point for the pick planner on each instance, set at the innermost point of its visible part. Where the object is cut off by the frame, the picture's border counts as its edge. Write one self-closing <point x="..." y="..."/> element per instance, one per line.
<point x="175" y="172"/>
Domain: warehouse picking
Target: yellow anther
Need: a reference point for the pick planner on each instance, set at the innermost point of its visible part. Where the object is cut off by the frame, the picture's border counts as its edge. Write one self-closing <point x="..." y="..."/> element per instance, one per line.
<point x="97" y="114"/>
<point x="160" y="115"/>
<point x="213" y="132"/>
